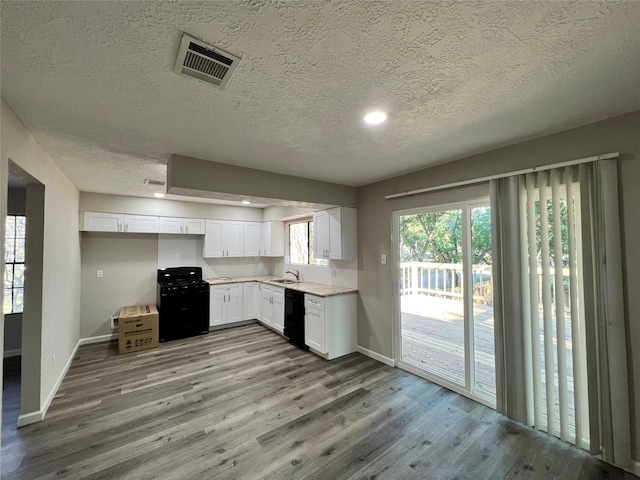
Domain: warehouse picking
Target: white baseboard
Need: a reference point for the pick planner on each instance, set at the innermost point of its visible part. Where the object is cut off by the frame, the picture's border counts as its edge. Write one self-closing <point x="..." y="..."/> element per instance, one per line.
<point x="12" y="353"/>
<point x="376" y="356"/>
<point x="29" y="418"/>
<point x="98" y="339"/>
<point x="38" y="416"/>
<point x="637" y="469"/>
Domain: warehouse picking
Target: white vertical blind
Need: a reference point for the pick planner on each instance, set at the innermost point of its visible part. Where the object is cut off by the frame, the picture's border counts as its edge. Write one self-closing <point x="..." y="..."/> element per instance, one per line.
<point x="570" y="359"/>
<point x="552" y="287"/>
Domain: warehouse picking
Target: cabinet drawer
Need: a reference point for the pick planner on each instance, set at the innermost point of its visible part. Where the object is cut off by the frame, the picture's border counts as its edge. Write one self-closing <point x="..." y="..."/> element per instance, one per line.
<point x="313" y="302"/>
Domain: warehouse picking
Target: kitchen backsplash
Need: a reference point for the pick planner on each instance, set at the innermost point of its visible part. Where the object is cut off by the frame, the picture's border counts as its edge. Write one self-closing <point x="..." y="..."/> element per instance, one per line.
<point x="186" y="250"/>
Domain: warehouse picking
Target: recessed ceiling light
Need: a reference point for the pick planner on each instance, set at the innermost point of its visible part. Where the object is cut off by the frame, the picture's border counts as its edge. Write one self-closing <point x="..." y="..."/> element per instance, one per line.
<point x="246" y="202"/>
<point x="158" y="195"/>
<point x="373" y="118"/>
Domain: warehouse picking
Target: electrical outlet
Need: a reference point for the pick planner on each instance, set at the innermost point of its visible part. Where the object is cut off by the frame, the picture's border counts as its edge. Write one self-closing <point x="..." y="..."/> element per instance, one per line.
<point x="383" y="259"/>
<point x="113" y="322"/>
<point x="99" y="273"/>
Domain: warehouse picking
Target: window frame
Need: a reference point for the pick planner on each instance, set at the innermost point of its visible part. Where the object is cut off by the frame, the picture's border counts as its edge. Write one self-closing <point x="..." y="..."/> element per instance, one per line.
<point x="12" y="265"/>
<point x="318" y="262"/>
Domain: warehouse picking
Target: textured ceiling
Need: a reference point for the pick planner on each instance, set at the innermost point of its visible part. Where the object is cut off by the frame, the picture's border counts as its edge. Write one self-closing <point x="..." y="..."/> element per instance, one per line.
<point x="93" y="82"/>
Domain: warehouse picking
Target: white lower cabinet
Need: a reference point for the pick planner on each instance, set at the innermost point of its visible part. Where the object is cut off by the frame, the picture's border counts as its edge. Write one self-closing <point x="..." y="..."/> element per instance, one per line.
<point x="226" y="304"/>
<point x="330" y="324"/>
<point x="251" y="300"/>
<point x="273" y="307"/>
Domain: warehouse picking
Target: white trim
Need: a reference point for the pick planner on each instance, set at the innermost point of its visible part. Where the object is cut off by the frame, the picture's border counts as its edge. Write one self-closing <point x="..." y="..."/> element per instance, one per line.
<point x="376" y="356"/>
<point x="462" y="183"/>
<point x="98" y="339"/>
<point x="29" y="418"/>
<point x="454" y="387"/>
<point x="637" y="469"/>
<point x="12" y="353"/>
<point x="38" y="416"/>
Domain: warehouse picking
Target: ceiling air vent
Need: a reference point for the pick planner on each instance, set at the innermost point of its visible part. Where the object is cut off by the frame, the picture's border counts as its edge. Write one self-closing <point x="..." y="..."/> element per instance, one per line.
<point x="204" y="62"/>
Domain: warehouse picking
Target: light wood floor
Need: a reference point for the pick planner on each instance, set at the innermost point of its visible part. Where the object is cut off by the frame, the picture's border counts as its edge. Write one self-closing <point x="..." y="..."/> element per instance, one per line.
<point x="245" y="404"/>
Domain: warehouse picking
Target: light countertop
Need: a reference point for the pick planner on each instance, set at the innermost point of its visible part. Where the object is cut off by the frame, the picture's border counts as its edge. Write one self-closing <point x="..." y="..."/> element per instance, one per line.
<point x="313" y="288"/>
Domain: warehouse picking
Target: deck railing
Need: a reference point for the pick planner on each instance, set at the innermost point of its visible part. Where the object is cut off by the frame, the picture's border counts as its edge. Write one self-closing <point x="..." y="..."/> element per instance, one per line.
<point x="445" y="280"/>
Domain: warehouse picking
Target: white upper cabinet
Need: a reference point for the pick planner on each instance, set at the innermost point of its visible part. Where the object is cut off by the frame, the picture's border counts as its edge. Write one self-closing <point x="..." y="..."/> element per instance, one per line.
<point x="193" y="226"/>
<point x="117" y="222"/>
<point x="171" y="225"/>
<point x="335" y="233"/>
<point x="252" y="239"/>
<point x="141" y="224"/>
<point x="272" y="239"/>
<point x="101" y="222"/>
<point x="321" y="234"/>
<point x="234" y="239"/>
<point x="223" y="239"/>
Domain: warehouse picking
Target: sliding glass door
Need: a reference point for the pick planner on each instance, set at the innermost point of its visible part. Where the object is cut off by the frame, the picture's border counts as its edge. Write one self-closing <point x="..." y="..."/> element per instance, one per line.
<point x="444" y="326"/>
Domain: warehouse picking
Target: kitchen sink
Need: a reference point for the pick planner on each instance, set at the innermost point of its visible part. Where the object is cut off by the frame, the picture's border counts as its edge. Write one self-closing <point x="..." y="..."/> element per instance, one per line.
<point x="285" y="281"/>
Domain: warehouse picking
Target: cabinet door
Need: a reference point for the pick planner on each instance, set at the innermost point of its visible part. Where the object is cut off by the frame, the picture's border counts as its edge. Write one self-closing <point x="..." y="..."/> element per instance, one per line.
<point x="265" y="239"/>
<point x="272" y="239"/>
<point x="213" y="239"/>
<point x="141" y="224"/>
<point x="233" y="239"/>
<point x="278" y="309"/>
<point x="193" y="226"/>
<point x="252" y="239"/>
<point x="233" y="304"/>
<point x="249" y="303"/>
<point x="321" y="234"/>
<point x="335" y="234"/>
<point x="267" y="306"/>
<point x="170" y="225"/>
<point x="102" y="222"/>
<point x="314" y="329"/>
<point x="216" y="307"/>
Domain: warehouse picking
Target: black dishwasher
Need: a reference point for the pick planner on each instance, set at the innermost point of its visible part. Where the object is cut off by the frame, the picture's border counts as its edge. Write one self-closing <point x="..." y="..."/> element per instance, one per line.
<point x="294" y="317"/>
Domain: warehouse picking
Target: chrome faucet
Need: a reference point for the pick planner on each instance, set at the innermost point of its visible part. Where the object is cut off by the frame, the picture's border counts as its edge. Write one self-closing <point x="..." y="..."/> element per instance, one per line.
<point x="297" y="274"/>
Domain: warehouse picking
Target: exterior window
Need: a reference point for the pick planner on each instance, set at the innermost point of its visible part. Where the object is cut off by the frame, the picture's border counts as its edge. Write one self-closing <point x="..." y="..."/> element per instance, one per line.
<point x="14" y="264"/>
<point x="301" y="244"/>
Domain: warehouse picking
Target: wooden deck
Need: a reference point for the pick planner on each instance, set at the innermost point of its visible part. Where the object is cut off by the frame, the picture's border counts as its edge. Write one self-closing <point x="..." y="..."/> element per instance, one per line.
<point x="433" y="340"/>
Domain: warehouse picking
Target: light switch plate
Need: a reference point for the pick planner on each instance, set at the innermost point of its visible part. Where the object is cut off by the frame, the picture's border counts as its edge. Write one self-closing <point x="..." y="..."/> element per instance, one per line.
<point x="383" y="259"/>
<point x="99" y="273"/>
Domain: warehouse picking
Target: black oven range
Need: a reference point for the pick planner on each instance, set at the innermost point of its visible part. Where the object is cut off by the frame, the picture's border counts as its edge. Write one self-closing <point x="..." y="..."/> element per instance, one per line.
<point x="183" y="303"/>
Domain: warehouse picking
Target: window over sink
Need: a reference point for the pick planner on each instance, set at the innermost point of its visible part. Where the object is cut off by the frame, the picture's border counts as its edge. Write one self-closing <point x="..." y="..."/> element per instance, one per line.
<point x="301" y="244"/>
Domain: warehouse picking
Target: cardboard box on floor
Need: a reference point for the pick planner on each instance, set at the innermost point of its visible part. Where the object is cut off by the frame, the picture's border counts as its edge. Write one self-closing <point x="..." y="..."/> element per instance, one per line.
<point x="137" y="328"/>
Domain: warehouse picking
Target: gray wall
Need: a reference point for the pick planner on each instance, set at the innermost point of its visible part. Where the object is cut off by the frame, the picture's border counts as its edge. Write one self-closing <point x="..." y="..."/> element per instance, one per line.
<point x="186" y="175"/>
<point x="97" y="202"/>
<point x="17" y="201"/>
<point x="620" y="134"/>
<point x="129" y="262"/>
<point x="60" y="322"/>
